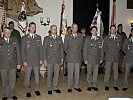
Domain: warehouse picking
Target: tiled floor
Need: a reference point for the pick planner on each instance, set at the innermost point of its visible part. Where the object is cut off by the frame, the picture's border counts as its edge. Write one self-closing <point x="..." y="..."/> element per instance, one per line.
<point x="85" y="95"/>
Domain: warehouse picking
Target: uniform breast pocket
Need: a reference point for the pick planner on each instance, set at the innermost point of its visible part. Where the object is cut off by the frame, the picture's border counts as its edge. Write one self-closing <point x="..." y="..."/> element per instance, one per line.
<point x="14" y="47"/>
<point x="50" y="45"/>
<point x="108" y="43"/>
<point x="27" y="44"/>
<point x="38" y="43"/>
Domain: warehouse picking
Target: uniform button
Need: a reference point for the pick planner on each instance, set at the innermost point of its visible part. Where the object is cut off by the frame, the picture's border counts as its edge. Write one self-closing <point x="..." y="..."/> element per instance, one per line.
<point x="8" y="54"/>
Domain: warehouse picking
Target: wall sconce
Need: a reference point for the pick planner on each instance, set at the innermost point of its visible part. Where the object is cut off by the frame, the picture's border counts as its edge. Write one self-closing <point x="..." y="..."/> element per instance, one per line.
<point x="131" y="23"/>
<point x="42" y="21"/>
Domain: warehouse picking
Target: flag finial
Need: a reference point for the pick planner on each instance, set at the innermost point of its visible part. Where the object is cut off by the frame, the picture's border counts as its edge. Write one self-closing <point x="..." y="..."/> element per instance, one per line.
<point x="97" y="4"/>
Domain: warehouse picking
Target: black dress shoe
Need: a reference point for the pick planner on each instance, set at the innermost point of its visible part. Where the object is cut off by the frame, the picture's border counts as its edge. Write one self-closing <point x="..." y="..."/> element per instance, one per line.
<point x="65" y="74"/>
<point x="50" y="92"/>
<point x="120" y="71"/>
<point x="106" y="88"/>
<point x="37" y="93"/>
<point x="124" y="89"/>
<point x="89" y="89"/>
<point x="116" y="88"/>
<point x="69" y="90"/>
<point x="95" y="88"/>
<point x="4" y="98"/>
<point x="28" y="95"/>
<point x="78" y="89"/>
<point x="14" y="98"/>
<point x="57" y="91"/>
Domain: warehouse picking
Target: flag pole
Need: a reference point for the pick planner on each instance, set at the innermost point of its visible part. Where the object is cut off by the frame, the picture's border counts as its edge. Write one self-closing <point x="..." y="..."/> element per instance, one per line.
<point x="62" y="11"/>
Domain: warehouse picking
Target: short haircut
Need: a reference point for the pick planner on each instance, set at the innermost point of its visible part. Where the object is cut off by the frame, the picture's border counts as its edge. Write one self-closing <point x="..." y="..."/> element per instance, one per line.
<point x="7" y="28"/>
<point x="69" y="27"/>
<point x="93" y="27"/>
<point x="112" y="26"/>
<point x="11" y="22"/>
<point x="74" y="24"/>
<point x="53" y="26"/>
<point x="119" y="25"/>
<point x="82" y="28"/>
<point x="32" y="23"/>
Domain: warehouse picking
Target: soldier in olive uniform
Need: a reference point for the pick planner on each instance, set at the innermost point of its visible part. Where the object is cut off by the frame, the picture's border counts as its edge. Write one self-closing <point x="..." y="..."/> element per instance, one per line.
<point x="93" y="56"/>
<point x="31" y="48"/>
<point x="128" y="50"/>
<point x="73" y="48"/>
<point x="53" y="56"/>
<point x="112" y="47"/>
<point x="10" y="60"/>
<point x="123" y="37"/>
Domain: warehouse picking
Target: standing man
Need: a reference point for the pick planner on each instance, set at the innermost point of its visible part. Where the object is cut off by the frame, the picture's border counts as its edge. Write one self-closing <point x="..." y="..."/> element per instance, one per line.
<point x="83" y="32"/>
<point x="10" y="60"/>
<point x="123" y="37"/>
<point x="15" y="33"/>
<point x="112" y="47"/>
<point x="73" y="48"/>
<point x="69" y="31"/>
<point x="93" y="56"/>
<point x="128" y="50"/>
<point x="53" y="56"/>
<point x="31" y="48"/>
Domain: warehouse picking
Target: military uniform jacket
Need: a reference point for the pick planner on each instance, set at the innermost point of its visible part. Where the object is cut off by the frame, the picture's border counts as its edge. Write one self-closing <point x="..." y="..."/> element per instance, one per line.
<point x="128" y="50"/>
<point x="112" y="48"/>
<point x="73" y="47"/>
<point x="93" y="50"/>
<point x="31" y="49"/>
<point x="53" y="51"/>
<point x="10" y="55"/>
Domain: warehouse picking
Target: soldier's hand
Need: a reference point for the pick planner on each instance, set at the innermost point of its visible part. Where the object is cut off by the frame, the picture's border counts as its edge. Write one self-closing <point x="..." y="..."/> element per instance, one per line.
<point x="62" y="61"/>
<point x="45" y="63"/>
<point x="18" y="66"/>
<point x="101" y="61"/>
<point x="41" y="62"/>
<point x="25" y="64"/>
<point x="86" y="62"/>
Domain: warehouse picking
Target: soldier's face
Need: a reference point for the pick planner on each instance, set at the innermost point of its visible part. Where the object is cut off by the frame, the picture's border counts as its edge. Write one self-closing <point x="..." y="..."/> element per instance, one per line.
<point x="132" y="33"/>
<point x="69" y="31"/>
<point x="54" y="30"/>
<point x="120" y="28"/>
<point x="113" y="30"/>
<point x="7" y="33"/>
<point x="32" y="28"/>
<point x="74" y="28"/>
<point x="94" y="31"/>
<point x="83" y="31"/>
<point x="11" y="26"/>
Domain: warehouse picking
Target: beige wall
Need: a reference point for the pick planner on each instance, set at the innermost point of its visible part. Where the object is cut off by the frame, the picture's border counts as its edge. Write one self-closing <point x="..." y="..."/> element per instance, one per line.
<point x="123" y="15"/>
<point x="52" y="9"/>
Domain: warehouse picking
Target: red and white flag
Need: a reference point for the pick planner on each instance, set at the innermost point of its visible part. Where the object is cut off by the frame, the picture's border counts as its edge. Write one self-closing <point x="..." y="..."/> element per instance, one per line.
<point x="63" y="22"/>
<point x="22" y="19"/>
<point x="113" y="17"/>
<point x="2" y="17"/>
